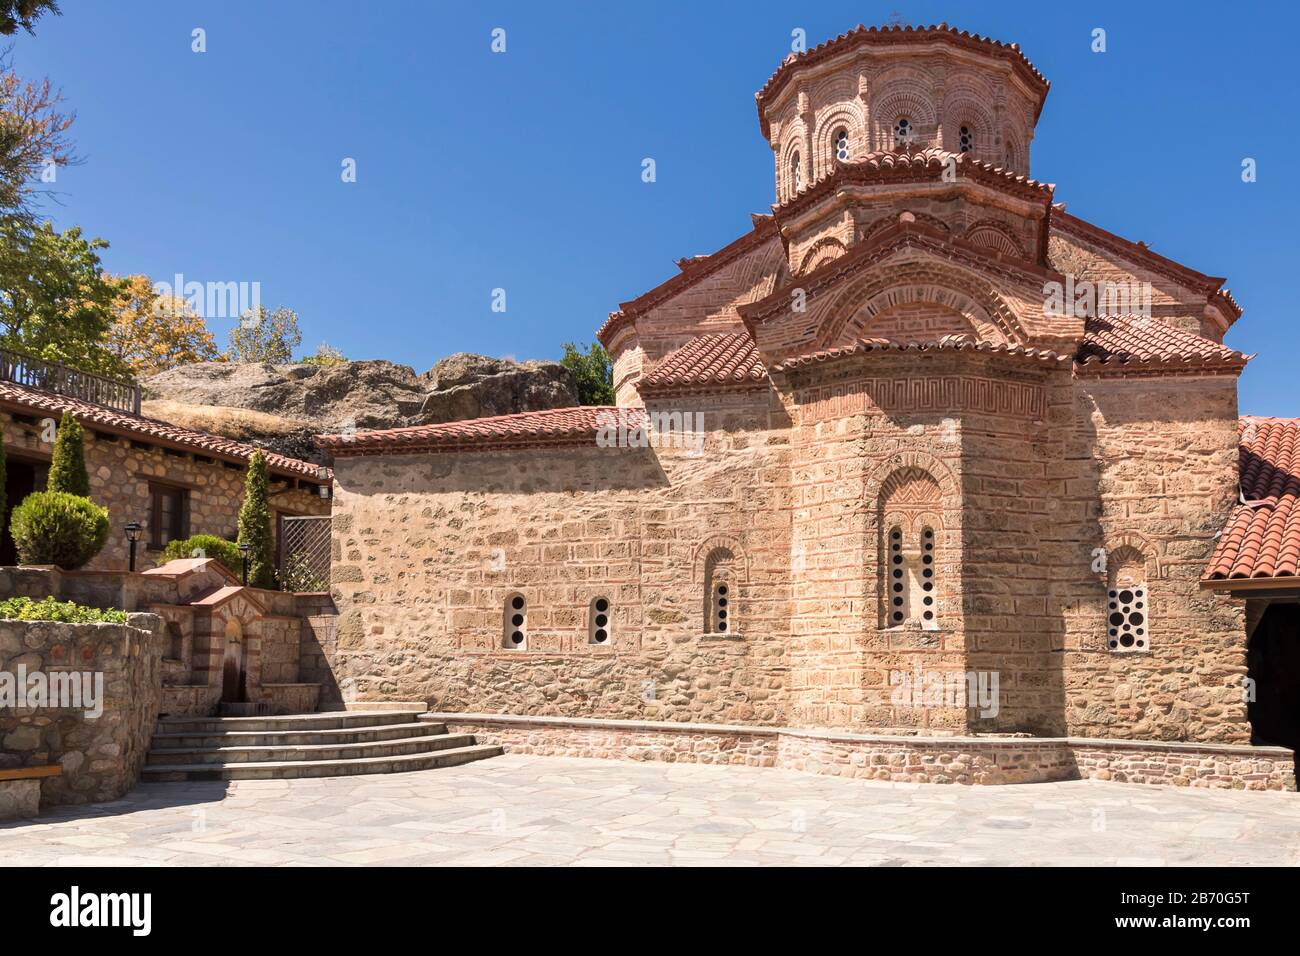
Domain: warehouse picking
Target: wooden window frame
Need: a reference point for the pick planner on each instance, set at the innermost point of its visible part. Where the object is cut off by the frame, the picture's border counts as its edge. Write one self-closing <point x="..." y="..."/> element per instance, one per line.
<point x="157" y="489"/>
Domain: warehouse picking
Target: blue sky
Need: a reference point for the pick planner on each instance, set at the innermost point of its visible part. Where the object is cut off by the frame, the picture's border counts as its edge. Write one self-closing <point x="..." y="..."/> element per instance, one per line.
<point x="522" y="171"/>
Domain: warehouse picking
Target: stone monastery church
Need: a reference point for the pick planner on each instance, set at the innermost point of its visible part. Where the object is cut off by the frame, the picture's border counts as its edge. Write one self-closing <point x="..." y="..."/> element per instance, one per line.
<point x="970" y="500"/>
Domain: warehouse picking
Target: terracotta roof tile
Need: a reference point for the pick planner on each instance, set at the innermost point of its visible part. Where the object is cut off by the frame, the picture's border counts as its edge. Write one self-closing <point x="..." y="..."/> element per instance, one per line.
<point x="723" y="360"/>
<point x="1137" y="343"/>
<point x="26" y="398"/>
<point x="1262" y="536"/>
<point x="861" y="36"/>
<point x="555" y="426"/>
<point x="947" y="343"/>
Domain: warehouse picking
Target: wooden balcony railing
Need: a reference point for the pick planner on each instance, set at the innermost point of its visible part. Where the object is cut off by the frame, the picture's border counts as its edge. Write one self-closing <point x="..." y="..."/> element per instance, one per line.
<point x="24" y="369"/>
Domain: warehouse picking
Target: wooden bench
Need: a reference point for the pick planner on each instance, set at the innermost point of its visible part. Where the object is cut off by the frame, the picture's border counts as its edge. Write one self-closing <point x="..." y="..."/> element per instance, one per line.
<point x="20" y="790"/>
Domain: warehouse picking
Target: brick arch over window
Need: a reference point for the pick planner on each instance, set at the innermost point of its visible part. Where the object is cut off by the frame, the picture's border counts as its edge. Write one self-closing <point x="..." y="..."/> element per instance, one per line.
<point x="1128" y="547"/>
<point x="823" y="251"/>
<point x="919" y="282"/>
<point x="1127" y="609"/>
<point x="964" y="108"/>
<point x="912" y="536"/>
<point x="846" y="117"/>
<point x="723" y="572"/>
<point x="792" y="144"/>
<point x="919" y="321"/>
<point x="884" y="222"/>
<point x="995" y="235"/>
<point x="906" y="98"/>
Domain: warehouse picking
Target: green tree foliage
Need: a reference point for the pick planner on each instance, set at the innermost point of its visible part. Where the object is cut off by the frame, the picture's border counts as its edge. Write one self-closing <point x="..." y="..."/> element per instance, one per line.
<point x="68" y="463"/>
<point x="56" y="302"/>
<point x="53" y="527"/>
<point x="592" y="371"/>
<point x="206" y="546"/>
<point x="255" y="524"/>
<point x="263" y="336"/>
<point x="23" y="13"/>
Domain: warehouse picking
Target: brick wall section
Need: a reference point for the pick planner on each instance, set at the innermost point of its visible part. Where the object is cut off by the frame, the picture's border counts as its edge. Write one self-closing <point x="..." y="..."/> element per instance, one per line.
<point x="1166" y="460"/>
<point x="120" y="473"/>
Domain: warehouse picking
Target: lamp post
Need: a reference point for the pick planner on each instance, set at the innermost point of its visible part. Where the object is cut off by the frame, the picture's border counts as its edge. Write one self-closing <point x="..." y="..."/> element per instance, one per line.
<point x="133" y="529"/>
<point x="244" y="548"/>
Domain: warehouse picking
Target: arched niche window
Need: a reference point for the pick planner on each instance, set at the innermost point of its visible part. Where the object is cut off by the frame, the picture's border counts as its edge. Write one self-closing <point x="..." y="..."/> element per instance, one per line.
<point x="1128" y="602"/>
<point x="720" y="592"/>
<point x="176" y="641"/>
<point x="514" y="623"/>
<point x="796" y="174"/>
<point x="903" y="132"/>
<point x="600" y="623"/>
<point x="842" y="145"/>
<point x="966" y="139"/>
<point x="910" y="506"/>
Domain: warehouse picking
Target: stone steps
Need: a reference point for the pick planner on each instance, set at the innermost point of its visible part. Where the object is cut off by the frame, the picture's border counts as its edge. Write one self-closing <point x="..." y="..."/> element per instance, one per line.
<point x="275" y="754"/>
<point x="335" y="744"/>
<point x="291" y="769"/>
<point x="289" y="738"/>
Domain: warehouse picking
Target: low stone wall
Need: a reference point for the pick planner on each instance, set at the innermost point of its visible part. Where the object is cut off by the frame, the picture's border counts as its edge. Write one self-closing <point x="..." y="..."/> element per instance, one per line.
<point x="960" y="760"/>
<point x="101" y="756"/>
<point x="291" y="698"/>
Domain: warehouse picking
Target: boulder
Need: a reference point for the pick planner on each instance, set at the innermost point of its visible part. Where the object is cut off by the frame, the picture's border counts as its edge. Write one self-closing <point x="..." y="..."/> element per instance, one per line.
<point x="281" y="407"/>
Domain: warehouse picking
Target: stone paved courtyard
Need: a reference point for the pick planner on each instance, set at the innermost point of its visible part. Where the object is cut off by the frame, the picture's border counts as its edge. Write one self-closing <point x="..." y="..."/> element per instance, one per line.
<point x="553" y="811"/>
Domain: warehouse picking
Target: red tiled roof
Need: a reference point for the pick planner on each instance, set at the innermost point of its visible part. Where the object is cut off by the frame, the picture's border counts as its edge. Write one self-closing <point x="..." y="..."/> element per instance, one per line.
<point x="555" y="426"/>
<point x="948" y="342"/>
<point x="862" y="36"/>
<point x="24" y="398"/>
<point x="929" y="164"/>
<point x="724" y="360"/>
<point x="692" y="271"/>
<point x="1262" y="536"/>
<point x="1134" y="343"/>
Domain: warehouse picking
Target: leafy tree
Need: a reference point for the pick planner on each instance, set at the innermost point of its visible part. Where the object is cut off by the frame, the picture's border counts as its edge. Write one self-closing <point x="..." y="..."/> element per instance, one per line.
<point x="68" y="462"/>
<point x="24" y="13"/>
<point x="255" y="524"/>
<point x="325" y="355"/>
<point x="56" y="302"/>
<point x="152" y="333"/>
<point x="263" y="336"/>
<point x="33" y="134"/>
<point x="592" y="371"/>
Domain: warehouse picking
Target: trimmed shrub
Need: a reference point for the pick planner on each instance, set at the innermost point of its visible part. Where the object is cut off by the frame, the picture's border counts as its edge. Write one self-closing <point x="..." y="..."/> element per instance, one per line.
<point x="25" y="609"/>
<point x="206" y="546"/>
<point x="255" y="525"/>
<point x="68" y="462"/>
<point x="53" y="527"/>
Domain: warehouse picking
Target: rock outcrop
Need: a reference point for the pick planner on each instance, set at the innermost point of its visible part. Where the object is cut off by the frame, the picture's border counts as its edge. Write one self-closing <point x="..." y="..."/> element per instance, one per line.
<point x="280" y="407"/>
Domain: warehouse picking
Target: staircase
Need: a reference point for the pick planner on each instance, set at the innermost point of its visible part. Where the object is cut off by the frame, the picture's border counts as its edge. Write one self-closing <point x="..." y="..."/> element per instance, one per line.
<point x="337" y="744"/>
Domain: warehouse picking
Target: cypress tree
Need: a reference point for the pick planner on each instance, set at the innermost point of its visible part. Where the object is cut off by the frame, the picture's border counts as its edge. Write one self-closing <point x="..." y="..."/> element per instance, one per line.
<point x="68" y="463"/>
<point x="255" y="525"/>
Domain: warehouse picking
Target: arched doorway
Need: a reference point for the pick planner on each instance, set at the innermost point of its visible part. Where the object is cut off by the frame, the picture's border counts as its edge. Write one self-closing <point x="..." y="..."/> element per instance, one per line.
<point x="1273" y="664"/>
<point x="234" y="672"/>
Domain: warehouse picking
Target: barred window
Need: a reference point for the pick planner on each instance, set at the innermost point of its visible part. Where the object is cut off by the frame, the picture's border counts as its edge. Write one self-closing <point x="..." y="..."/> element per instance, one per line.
<point x="796" y="173"/>
<point x="1127" y="618"/>
<point x="903" y="133"/>
<point x="966" y="140"/>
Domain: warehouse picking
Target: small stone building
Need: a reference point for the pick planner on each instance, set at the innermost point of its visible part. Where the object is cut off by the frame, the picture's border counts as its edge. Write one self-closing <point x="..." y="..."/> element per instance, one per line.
<point x="174" y="481"/>
<point x="920" y="454"/>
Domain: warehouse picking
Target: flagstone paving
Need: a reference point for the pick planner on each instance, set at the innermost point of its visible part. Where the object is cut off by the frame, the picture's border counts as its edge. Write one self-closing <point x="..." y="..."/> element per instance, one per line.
<point x="520" y="810"/>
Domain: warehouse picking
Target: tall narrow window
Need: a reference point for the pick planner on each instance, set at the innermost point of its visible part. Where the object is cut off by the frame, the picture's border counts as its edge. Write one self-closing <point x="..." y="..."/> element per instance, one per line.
<point x="720" y="592"/>
<point x="899" y="589"/>
<point x="927" y="577"/>
<point x="514" y="626"/>
<point x="966" y="140"/>
<point x="796" y="173"/>
<point x="903" y="133"/>
<point x="599" y="623"/>
<point x="842" y="145"/>
<point x="169" y="514"/>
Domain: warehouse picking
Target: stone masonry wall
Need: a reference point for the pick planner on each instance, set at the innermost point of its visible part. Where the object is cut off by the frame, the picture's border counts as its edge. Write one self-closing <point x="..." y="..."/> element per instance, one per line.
<point x="101" y="757"/>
